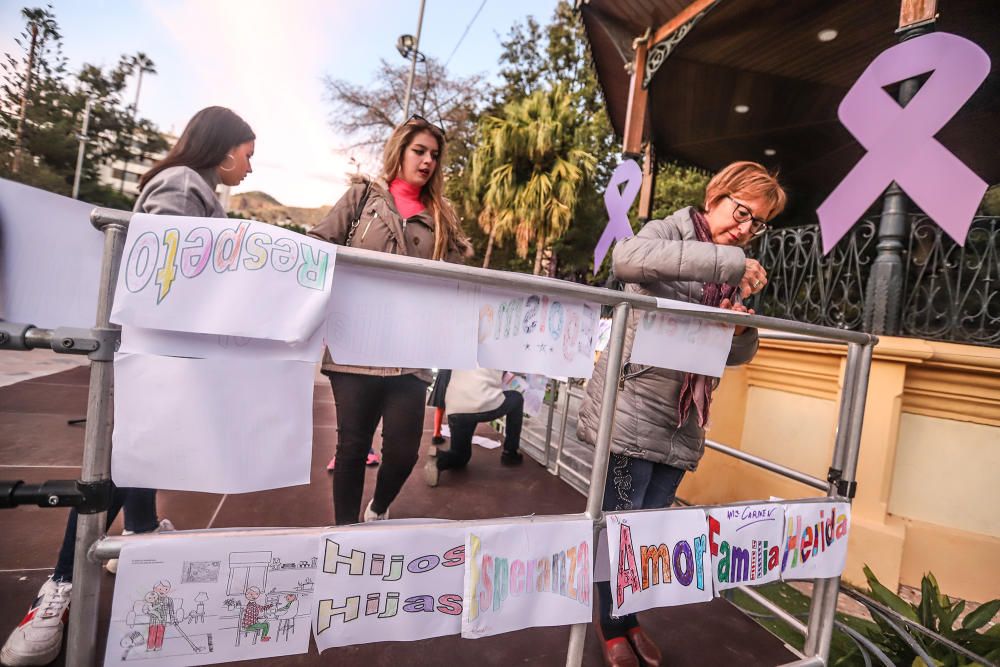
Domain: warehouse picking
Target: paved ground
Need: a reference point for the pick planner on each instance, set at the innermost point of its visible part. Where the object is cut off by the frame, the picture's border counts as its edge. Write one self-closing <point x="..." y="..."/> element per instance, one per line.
<point x="37" y="444"/>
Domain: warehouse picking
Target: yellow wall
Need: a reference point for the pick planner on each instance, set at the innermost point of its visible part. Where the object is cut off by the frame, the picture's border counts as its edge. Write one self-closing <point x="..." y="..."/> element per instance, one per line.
<point x="929" y="466"/>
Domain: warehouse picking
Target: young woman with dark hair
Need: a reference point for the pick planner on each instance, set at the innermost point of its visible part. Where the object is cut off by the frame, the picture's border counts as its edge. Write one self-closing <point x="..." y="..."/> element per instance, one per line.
<point x="215" y="147"/>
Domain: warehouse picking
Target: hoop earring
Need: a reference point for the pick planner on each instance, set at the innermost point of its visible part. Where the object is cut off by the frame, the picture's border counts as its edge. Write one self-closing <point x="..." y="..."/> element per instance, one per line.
<point x="229" y="156"/>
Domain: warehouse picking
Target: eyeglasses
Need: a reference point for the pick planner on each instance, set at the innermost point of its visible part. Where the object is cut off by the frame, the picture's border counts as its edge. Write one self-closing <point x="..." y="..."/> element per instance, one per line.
<point x="417" y="117"/>
<point x="742" y="214"/>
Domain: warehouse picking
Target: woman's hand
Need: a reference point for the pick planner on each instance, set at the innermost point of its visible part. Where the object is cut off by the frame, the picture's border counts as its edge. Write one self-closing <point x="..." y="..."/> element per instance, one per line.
<point x="739" y="308"/>
<point x="754" y="278"/>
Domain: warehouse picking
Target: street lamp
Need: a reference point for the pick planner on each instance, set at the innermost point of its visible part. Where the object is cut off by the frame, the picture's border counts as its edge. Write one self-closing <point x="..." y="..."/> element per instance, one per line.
<point x="408" y="47"/>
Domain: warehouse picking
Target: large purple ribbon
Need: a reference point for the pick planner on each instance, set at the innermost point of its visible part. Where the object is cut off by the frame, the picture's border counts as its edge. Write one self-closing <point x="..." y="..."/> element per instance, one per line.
<point x="618" y="202"/>
<point x="900" y="140"/>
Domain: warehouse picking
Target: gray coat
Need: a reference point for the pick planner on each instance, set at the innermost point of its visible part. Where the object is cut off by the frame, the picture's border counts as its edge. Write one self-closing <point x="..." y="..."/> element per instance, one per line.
<point x="181" y="191"/>
<point x="664" y="259"/>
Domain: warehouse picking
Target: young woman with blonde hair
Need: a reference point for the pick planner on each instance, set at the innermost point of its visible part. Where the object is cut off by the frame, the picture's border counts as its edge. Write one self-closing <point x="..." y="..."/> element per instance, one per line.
<point x="403" y="212"/>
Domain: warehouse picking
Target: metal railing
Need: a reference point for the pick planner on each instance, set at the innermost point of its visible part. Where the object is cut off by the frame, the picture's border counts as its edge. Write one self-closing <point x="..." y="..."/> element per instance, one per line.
<point x="951" y="292"/>
<point x="92" y="546"/>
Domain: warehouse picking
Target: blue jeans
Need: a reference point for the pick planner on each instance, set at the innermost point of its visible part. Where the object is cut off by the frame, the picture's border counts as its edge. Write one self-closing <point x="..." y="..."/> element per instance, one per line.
<point x="633" y="484"/>
<point x="140" y="517"/>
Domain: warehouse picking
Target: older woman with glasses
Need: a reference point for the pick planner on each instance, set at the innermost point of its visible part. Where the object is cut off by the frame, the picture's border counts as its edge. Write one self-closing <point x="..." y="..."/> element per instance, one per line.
<point x="403" y="212"/>
<point x="694" y="255"/>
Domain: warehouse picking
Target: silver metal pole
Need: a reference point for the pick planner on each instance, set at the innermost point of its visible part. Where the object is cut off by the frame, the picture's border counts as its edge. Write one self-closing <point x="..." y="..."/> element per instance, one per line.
<point x="822" y="612"/>
<point x="771" y="466"/>
<point x="565" y="418"/>
<point x="413" y="64"/>
<point x="602" y="452"/>
<point x="779" y="613"/>
<point x="83" y="148"/>
<point x="81" y="644"/>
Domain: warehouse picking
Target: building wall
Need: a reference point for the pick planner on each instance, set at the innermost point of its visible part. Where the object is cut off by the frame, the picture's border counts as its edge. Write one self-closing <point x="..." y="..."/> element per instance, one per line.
<point x="930" y="452"/>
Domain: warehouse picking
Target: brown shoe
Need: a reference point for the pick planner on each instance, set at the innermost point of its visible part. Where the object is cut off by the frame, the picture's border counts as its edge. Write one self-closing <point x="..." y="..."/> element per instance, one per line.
<point x="618" y="653"/>
<point x="645" y="647"/>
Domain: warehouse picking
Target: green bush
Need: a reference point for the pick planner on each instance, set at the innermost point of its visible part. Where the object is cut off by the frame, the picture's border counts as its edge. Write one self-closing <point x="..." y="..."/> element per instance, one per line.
<point x="938" y="613"/>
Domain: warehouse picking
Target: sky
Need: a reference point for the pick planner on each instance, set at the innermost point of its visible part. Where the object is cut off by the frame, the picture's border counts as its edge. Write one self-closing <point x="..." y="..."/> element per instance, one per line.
<point x="266" y="60"/>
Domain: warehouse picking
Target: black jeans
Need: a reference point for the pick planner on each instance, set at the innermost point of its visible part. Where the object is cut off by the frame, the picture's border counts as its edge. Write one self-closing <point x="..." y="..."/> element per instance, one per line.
<point x="363" y="400"/>
<point x="633" y="484"/>
<point x="140" y="517"/>
<point x="463" y="427"/>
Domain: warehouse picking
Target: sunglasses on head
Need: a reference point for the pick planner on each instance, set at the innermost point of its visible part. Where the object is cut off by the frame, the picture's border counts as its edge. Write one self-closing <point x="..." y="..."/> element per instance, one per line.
<point x="426" y="123"/>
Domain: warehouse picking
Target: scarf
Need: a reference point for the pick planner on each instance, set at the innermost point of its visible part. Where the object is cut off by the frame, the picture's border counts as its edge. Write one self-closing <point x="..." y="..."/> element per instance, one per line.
<point x="697" y="389"/>
<point x="407" y="197"/>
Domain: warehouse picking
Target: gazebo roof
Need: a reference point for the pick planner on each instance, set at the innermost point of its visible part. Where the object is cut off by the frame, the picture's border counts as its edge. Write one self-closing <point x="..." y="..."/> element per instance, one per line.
<point x="766" y="55"/>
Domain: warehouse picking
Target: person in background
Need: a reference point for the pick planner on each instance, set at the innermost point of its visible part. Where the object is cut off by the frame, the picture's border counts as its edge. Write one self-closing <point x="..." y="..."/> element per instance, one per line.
<point x="473" y="397"/>
<point x="403" y="212"/>
<point x="215" y="148"/>
<point x="436" y="401"/>
<point x="694" y="255"/>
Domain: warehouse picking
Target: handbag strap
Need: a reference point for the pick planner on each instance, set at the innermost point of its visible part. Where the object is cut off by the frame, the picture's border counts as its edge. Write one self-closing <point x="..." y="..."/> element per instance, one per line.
<point x="357" y="214"/>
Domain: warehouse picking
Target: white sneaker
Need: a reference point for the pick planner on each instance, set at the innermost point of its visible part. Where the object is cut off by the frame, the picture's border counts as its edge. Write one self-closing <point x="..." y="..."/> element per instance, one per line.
<point x="165" y="525"/>
<point x="37" y="640"/>
<point x="370" y="514"/>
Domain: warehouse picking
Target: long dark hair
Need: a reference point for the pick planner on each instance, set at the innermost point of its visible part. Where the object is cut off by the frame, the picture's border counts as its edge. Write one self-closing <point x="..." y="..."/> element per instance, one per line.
<point x="208" y="137"/>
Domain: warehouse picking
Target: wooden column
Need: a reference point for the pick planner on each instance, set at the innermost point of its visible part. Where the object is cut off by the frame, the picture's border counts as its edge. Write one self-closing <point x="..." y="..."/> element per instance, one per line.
<point x="635" y="114"/>
<point x="648" y="183"/>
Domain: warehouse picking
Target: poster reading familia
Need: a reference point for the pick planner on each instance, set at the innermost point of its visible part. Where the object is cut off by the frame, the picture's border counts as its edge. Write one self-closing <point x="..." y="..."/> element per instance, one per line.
<point x="213" y="276"/>
<point x="527" y="574"/>
<point x="535" y="333"/>
<point x="745" y="543"/>
<point x="197" y="600"/>
<point x="658" y="559"/>
<point x="389" y="583"/>
<point x="815" y="540"/>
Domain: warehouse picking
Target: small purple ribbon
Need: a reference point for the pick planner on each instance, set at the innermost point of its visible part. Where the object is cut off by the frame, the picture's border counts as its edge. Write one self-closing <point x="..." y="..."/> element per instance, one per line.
<point x="617" y="204"/>
<point x="900" y="140"/>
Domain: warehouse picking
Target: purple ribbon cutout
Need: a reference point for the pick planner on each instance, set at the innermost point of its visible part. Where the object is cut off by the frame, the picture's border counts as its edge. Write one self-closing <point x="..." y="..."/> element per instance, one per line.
<point x="617" y="204"/>
<point x="900" y="140"/>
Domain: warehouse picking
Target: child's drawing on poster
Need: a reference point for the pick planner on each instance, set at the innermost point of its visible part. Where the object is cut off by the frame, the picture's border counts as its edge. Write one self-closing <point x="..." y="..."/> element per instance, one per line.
<point x="197" y="600"/>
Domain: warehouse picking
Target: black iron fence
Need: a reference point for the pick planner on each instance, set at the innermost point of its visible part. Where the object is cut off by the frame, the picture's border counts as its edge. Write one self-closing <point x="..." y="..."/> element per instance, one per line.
<point x="950" y="292"/>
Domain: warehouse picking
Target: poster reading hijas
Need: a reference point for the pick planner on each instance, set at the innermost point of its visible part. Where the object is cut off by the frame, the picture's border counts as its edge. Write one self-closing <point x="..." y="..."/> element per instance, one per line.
<point x="745" y="542"/>
<point x="815" y="540"/>
<point x="525" y="575"/>
<point x="658" y="559"/>
<point x="392" y="583"/>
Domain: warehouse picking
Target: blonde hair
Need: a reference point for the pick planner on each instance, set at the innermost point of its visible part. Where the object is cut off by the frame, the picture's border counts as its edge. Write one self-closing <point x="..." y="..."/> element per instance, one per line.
<point x="447" y="229"/>
<point x="750" y="180"/>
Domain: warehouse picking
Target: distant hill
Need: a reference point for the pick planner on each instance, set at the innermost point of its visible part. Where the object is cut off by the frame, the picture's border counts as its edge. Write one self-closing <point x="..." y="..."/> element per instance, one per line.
<point x="262" y="206"/>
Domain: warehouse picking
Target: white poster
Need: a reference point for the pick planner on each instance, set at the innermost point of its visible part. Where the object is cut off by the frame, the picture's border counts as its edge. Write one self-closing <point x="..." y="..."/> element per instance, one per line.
<point x="389" y="583"/>
<point x="50" y="258"/>
<point x="668" y="340"/>
<point x="214" y="425"/>
<point x="200" y="600"/>
<point x="526" y="575"/>
<point x="136" y="340"/>
<point x="815" y="540"/>
<point x="533" y="333"/>
<point x="380" y="317"/>
<point x="745" y="542"/>
<point x="658" y="559"/>
<point x="222" y="276"/>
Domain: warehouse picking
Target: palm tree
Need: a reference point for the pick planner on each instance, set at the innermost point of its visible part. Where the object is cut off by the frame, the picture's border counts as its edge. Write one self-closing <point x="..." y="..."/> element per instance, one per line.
<point x="42" y="26"/>
<point x="530" y="171"/>
<point x="139" y="63"/>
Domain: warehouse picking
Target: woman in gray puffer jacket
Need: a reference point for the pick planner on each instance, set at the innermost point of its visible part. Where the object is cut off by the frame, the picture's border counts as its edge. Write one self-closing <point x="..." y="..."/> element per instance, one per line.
<point x="694" y="255"/>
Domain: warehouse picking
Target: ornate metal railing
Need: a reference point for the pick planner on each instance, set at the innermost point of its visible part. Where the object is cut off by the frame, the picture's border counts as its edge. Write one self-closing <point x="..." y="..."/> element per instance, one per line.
<point x="950" y="292"/>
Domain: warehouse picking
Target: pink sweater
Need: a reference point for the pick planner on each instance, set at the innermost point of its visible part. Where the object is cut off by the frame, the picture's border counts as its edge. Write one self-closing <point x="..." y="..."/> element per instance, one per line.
<point x="407" y="197"/>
